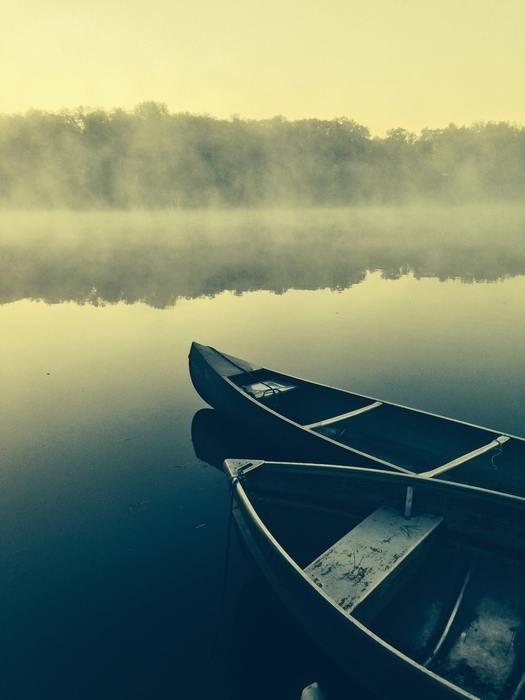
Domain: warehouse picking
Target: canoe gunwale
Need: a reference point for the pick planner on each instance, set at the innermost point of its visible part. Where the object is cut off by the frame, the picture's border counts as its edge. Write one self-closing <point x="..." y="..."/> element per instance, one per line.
<point x="413" y="480"/>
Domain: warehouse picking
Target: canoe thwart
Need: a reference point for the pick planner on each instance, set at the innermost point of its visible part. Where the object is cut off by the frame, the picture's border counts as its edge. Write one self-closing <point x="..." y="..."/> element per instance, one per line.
<point x="343" y="416"/>
<point x="500" y="440"/>
<point x="373" y="553"/>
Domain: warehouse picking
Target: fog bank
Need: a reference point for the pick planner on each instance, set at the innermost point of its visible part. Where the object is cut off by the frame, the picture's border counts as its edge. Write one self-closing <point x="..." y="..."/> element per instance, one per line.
<point x="150" y="158"/>
<point x="160" y="257"/>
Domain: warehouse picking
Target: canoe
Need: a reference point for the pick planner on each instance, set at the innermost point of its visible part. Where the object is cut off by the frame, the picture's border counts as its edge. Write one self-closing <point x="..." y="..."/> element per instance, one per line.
<point x="413" y="586"/>
<point x="317" y="423"/>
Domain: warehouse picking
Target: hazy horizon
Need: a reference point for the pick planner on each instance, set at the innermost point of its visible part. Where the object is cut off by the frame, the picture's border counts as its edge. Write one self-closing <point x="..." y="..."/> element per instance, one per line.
<point x="73" y="109"/>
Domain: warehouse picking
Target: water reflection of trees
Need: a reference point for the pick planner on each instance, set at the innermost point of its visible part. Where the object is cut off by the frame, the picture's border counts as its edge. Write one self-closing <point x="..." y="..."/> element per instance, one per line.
<point x="160" y="258"/>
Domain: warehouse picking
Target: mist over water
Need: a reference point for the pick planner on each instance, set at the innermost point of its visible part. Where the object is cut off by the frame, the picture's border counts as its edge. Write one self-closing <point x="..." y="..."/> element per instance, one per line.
<point x="160" y="257"/>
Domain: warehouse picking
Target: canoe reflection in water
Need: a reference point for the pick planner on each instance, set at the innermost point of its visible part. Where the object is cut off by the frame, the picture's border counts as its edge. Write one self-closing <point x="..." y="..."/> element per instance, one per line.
<point x="251" y="610"/>
<point x="215" y="438"/>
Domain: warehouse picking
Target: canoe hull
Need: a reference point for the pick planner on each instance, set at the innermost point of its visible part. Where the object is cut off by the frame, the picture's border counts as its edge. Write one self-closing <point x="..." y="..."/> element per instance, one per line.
<point x="358" y="653"/>
<point x="301" y="420"/>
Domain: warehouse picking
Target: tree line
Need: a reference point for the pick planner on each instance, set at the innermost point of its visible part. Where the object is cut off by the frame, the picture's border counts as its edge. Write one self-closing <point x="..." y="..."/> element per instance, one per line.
<point x="151" y="158"/>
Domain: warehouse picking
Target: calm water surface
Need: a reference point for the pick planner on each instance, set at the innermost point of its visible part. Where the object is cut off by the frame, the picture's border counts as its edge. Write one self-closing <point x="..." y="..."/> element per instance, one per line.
<point x="115" y="578"/>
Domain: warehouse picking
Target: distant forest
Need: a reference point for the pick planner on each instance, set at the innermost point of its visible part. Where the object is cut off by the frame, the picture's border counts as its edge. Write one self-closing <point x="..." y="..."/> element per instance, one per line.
<point x="150" y="158"/>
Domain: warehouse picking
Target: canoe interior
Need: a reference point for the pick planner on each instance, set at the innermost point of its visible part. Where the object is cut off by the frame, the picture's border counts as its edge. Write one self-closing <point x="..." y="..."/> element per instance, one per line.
<point x="461" y="613"/>
<point x="307" y="403"/>
<point x="413" y="440"/>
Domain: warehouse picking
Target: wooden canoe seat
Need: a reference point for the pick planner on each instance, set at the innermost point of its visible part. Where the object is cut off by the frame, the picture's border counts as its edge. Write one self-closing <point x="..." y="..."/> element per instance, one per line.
<point x="363" y="570"/>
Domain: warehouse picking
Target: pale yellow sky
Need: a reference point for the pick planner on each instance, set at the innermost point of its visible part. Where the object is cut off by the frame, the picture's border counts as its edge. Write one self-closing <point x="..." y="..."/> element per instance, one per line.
<point x="385" y="63"/>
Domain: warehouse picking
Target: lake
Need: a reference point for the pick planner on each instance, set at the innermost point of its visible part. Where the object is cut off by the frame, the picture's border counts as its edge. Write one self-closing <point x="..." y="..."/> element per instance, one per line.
<point x="118" y="579"/>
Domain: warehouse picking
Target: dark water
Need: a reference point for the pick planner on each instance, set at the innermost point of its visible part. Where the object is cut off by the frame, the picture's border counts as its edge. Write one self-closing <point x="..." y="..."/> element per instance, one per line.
<point x="114" y="578"/>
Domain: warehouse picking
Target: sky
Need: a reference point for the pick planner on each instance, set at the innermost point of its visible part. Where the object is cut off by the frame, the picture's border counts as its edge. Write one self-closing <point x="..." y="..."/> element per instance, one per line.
<point x="384" y="63"/>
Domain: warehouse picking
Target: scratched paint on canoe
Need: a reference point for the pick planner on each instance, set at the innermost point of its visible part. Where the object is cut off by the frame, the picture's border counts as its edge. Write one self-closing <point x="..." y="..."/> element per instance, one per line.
<point x="367" y="555"/>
